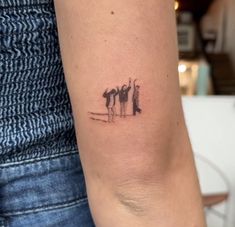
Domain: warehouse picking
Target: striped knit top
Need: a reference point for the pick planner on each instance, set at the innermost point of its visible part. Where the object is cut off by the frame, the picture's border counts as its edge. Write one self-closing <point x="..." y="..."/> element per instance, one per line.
<point x="35" y="112"/>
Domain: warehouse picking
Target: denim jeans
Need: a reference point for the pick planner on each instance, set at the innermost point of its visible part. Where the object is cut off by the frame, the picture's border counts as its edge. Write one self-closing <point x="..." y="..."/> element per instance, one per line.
<point x="43" y="193"/>
<point x="41" y="178"/>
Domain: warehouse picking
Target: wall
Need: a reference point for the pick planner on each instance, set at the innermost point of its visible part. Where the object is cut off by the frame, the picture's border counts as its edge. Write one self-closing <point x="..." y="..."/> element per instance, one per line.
<point x="211" y="125"/>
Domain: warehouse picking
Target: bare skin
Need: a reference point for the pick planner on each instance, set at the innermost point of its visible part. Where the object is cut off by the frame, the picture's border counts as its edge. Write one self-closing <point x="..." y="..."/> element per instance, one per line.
<point x="139" y="171"/>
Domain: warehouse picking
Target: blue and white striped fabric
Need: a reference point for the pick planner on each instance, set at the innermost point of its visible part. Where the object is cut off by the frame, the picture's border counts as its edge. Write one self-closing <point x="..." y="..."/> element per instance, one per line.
<point x="41" y="178"/>
<point x="35" y="112"/>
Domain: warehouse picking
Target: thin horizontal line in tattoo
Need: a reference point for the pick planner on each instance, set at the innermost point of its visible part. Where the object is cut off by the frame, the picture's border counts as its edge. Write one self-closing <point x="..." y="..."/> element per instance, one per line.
<point x="103" y="114"/>
<point x="106" y="114"/>
<point x="97" y="119"/>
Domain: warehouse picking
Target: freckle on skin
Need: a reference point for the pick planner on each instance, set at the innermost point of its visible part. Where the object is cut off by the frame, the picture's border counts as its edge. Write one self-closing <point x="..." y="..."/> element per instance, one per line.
<point x="98" y="175"/>
<point x="112" y="12"/>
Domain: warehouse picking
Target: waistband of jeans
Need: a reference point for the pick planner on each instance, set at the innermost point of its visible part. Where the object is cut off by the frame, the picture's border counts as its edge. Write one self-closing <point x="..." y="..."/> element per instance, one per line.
<point x="19" y="3"/>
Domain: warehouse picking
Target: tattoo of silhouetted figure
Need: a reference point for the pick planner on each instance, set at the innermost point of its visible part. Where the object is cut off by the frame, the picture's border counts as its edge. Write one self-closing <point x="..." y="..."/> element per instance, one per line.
<point x="123" y="98"/>
<point x="135" y="99"/>
<point x="110" y="103"/>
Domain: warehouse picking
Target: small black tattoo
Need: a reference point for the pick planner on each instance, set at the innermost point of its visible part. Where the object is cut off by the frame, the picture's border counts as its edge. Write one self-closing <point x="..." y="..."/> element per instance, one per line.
<point x="123" y="98"/>
<point x="135" y="99"/>
<point x="110" y="103"/>
<point x="122" y="95"/>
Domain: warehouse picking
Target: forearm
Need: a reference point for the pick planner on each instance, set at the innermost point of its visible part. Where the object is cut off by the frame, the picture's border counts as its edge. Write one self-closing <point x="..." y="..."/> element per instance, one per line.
<point x="138" y="171"/>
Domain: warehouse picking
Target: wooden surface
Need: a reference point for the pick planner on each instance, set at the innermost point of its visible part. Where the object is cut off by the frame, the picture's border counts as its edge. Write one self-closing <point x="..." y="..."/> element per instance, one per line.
<point x="214" y="199"/>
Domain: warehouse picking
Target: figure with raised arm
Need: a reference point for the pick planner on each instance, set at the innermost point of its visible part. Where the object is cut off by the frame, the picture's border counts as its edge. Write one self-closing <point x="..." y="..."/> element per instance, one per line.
<point x="135" y="99"/>
<point x="123" y="98"/>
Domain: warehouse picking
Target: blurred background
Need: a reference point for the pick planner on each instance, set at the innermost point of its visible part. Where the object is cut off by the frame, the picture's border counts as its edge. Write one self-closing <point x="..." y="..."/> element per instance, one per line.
<point x="206" y="39"/>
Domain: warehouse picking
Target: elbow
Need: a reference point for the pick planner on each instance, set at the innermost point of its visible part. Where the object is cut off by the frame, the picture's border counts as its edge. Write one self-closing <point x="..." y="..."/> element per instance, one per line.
<point x="135" y="201"/>
<point x="138" y="192"/>
<point x="150" y="172"/>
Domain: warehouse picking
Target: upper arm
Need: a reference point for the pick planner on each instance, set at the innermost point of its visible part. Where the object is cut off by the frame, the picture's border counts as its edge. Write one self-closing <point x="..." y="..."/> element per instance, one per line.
<point x="103" y="43"/>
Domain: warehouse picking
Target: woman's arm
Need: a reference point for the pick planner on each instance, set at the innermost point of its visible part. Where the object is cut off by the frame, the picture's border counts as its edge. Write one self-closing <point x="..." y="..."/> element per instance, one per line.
<point x="139" y="170"/>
